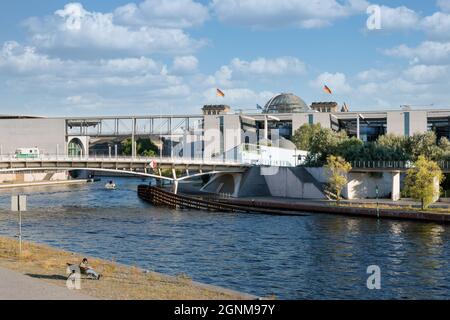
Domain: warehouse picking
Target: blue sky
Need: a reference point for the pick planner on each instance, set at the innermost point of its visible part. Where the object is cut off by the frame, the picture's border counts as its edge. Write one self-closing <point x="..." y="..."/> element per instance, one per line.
<point x="97" y="57"/>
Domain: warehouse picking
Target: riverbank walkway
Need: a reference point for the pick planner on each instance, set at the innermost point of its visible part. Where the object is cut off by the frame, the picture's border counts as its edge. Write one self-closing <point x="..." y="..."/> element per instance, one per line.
<point x="17" y="286"/>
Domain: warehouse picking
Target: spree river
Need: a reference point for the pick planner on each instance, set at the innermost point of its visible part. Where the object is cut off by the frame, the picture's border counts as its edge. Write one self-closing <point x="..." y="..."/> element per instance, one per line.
<point x="314" y="257"/>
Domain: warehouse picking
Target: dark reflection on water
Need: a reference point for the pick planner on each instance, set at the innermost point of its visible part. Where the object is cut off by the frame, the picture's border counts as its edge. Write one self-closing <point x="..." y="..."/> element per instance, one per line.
<point x="315" y="257"/>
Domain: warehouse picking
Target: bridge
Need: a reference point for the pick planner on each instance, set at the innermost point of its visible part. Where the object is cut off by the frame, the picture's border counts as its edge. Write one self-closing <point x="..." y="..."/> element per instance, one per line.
<point x="149" y="167"/>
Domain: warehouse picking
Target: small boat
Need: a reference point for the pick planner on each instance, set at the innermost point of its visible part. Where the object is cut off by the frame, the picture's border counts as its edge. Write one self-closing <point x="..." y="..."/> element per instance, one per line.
<point x="110" y="186"/>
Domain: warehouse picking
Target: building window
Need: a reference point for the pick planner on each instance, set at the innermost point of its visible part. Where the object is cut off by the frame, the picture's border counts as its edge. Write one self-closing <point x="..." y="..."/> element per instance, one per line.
<point x="222" y="136"/>
<point x="407" y="122"/>
<point x="75" y="148"/>
<point x="310" y="119"/>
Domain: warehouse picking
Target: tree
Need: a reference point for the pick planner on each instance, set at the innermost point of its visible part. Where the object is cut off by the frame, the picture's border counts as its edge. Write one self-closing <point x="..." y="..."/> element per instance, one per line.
<point x="320" y="142"/>
<point x="350" y="149"/>
<point x="424" y="144"/>
<point x="391" y="147"/>
<point x="338" y="169"/>
<point x="303" y="136"/>
<point x="145" y="147"/>
<point x="421" y="180"/>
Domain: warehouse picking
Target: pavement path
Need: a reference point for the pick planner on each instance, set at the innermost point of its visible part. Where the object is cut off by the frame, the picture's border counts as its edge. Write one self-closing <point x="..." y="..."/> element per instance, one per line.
<point x="16" y="286"/>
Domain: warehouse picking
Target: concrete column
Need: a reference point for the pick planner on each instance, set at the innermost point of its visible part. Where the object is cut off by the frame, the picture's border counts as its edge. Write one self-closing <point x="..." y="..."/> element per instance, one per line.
<point x="175" y="187"/>
<point x="395" y="186"/>
<point x="175" y="181"/>
<point x="133" y="139"/>
<point x="266" y="128"/>
<point x="358" y="127"/>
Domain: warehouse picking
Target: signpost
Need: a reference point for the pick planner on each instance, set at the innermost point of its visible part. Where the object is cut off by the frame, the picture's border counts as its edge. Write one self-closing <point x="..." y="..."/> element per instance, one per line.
<point x="19" y="204"/>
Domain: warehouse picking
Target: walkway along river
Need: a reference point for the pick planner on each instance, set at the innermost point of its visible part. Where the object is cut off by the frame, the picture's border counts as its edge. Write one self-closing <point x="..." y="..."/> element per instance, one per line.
<point x="318" y="256"/>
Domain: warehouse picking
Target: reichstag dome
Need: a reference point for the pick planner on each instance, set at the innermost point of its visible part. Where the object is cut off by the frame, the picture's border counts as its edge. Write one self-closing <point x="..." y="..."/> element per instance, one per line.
<point x="286" y="103"/>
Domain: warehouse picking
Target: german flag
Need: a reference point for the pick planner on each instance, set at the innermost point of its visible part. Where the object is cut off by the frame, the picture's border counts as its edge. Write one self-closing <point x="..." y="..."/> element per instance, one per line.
<point x="220" y="93"/>
<point x="327" y="90"/>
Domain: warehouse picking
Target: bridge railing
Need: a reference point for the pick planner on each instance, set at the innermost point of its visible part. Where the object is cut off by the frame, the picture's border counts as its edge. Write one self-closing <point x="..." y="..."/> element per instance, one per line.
<point x="105" y="158"/>
<point x="396" y="165"/>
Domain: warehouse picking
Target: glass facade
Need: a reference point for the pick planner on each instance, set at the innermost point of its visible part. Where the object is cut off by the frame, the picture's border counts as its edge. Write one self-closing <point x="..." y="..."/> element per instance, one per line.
<point x="407" y="124"/>
<point x="75" y="148"/>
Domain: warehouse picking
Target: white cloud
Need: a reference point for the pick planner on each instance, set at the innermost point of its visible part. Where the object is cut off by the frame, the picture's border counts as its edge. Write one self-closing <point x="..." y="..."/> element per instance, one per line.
<point x="269" y="67"/>
<point x="430" y="52"/>
<point x="19" y="59"/>
<point x="418" y="85"/>
<point x="437" y="25"/>
<point x="241" y="72"/>
<point x="24" y="67"/>
<point x="185" y="64"/>
<point x="162" y="13"/>
<point x="75" y="28"/>
<point x="337" y="82"/>
<point x="299" y="13"/>
<point x="444" y="5"/>
<point x="221" y="77"/>
<point x="399" y="18"/>
<point x="425" y="74"/>
<point x="373" y="75"/>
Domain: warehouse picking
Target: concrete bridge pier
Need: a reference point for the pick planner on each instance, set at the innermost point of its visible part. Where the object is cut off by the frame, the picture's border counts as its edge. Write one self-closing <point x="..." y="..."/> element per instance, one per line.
<point x="175" y="181"/>
<point x="395" y="194"/>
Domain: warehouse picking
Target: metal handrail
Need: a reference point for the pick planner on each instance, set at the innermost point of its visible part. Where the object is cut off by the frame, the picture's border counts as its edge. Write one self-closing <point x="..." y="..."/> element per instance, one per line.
<point x="175" y="160"/>
<point x="389" y="164"/>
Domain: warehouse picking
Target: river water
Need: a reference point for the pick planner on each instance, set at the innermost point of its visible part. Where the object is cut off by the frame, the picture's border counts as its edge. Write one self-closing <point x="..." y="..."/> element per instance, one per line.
<point x="314" y="257"/>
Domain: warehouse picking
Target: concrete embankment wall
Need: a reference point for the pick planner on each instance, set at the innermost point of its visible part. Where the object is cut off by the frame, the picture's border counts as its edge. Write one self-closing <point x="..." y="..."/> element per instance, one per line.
<point x="273" y="181"/>
<point x="360" y="185"/>
<point x="299" y="183"/>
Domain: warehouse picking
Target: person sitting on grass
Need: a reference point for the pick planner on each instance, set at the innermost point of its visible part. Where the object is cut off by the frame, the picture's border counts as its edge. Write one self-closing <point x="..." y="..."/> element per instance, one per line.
<point x="86" y="269"/>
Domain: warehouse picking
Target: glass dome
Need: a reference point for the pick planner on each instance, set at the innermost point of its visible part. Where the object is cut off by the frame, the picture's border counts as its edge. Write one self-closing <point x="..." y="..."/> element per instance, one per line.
<point x="286" y="103"/>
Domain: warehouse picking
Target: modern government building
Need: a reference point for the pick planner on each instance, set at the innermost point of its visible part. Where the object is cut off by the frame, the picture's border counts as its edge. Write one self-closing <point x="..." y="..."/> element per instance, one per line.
<point x="217" y="131"/>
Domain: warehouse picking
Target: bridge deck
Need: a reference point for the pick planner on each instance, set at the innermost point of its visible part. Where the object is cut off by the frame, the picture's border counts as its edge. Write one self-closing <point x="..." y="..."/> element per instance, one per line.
<point x="141" y="166"/>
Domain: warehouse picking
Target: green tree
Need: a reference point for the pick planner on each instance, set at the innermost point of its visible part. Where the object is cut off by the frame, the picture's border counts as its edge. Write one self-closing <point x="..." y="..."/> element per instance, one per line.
<point x="350" y="149"/>
<point x="444" y="144"/>
<point x="320" y="142"/>
<point x="145" y="147"/>
<point x="338" y="170"/>
<point x="393" y="148"/>
<point x="421" y="180"/>
<point x="303" y="136"/>
<point x="424" y="144"/>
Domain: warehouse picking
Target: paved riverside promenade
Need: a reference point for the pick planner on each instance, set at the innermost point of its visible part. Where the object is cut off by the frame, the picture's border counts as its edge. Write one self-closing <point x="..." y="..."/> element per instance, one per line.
<point x="16" y="286"/>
